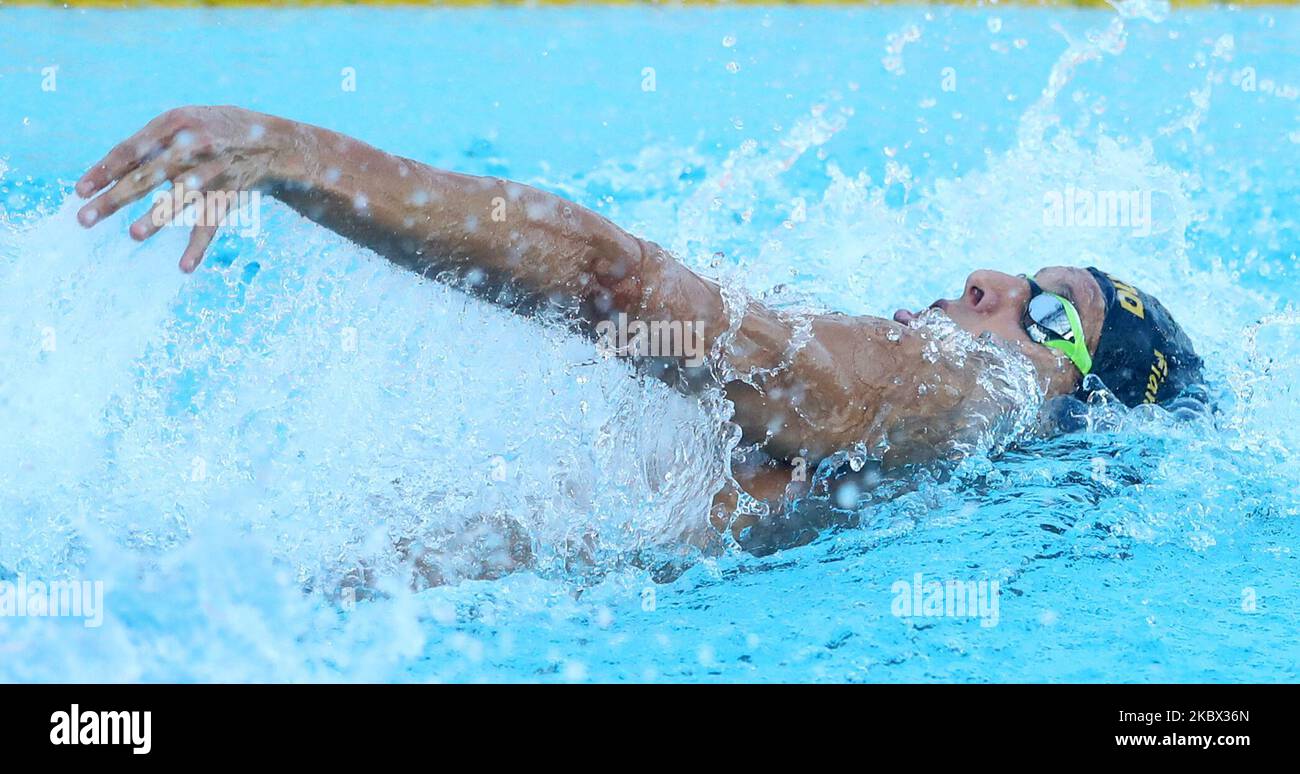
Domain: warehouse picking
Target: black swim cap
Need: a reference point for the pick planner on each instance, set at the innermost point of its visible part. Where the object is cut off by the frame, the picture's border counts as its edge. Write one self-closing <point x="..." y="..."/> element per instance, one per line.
<point x="1143" y="356"/>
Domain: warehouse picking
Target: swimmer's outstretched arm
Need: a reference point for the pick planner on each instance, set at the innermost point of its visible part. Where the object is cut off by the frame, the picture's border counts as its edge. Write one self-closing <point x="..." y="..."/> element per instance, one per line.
<point x="801" y="388"/>
<point x="496" y="233"/>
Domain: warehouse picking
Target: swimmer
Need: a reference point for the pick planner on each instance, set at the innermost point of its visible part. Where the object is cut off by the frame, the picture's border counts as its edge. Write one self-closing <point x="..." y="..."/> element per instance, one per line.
<point x="802" y="388"/>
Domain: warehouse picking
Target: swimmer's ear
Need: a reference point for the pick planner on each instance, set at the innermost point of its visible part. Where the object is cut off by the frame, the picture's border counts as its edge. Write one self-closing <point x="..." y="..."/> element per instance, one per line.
<point x="1062" y="414"/>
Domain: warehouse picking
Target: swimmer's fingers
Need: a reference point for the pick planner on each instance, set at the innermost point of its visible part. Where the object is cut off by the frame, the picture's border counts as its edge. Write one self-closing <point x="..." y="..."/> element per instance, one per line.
<point x="200" y="238"/>
<point x="136" y="184"/>
<point x="214" y="213"/>
<point x="127" y="190"/>
<point x="169" y="204"/>
<point x="130" y="153"/>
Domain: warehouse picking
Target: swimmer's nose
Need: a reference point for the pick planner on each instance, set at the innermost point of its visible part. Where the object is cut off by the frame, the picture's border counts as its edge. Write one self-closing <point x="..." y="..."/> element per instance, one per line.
<point x="987" y="291"/>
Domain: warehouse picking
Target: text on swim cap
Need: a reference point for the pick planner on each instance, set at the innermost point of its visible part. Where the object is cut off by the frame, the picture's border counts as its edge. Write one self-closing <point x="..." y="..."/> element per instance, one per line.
<point x="1155" y="379"/>
<point x="1128" y="297"/>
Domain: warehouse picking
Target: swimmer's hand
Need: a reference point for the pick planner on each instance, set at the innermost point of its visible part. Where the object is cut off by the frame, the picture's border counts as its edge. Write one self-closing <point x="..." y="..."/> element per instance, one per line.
<point x="212" y="150"/>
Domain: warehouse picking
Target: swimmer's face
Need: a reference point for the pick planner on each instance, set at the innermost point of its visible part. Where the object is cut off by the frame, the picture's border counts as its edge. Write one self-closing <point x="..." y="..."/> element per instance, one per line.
<point x="994" y="303"/>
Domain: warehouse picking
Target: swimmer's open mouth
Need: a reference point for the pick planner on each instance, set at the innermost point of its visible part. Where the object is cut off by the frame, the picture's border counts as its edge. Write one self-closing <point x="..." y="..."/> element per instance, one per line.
<point x="905" y="317"/>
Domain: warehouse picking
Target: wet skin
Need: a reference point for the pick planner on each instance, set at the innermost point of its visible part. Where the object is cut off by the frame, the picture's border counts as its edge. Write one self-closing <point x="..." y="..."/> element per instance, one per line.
<point x="854" y="379"/>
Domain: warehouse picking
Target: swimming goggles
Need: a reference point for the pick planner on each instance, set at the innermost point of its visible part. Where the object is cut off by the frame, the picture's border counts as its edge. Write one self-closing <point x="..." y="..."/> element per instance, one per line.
<point x="1053" y="321"/>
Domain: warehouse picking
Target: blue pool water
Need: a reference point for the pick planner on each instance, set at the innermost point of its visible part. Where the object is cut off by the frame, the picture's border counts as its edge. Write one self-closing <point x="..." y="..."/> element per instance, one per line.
<point x="216" y="448"/>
